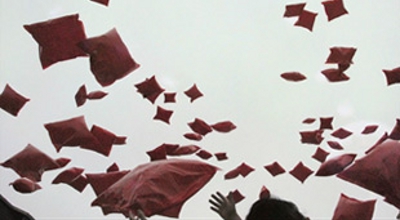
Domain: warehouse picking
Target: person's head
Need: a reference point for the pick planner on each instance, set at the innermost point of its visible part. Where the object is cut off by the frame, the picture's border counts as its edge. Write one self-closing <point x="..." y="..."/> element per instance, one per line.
<point x="274" y="209"/>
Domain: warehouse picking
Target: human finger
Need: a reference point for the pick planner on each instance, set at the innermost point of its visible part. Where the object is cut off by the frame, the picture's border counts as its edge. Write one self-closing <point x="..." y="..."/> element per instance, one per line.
<point x="214" y="209"/>
<point x="221" y="197"/>
<point x="215" y="204"/>
<point x="217" y="198"/>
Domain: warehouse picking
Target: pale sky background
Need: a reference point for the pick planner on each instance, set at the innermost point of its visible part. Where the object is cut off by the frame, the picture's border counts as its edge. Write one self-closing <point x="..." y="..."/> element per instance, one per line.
<point x="234" y="51"/>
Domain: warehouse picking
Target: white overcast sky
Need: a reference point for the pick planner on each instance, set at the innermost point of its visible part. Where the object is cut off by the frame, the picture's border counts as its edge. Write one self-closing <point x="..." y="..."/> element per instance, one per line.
<point x="234" y="51"/>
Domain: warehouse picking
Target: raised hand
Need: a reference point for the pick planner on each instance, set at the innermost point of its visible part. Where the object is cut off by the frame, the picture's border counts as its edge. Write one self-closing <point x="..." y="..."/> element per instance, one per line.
<point x="224" y="206"/>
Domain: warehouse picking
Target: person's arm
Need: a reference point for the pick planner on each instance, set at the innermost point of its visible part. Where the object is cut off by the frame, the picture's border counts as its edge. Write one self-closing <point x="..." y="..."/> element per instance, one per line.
<point x="224" y="206"/>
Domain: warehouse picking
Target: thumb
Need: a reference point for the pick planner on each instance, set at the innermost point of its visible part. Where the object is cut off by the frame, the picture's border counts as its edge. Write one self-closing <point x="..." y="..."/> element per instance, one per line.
<point x="230" y="198"/>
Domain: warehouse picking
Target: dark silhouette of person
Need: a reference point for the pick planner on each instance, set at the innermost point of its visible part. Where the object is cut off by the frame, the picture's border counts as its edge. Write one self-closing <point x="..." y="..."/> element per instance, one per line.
<point x="10" y="212"/>
<point x="263" y="209"/>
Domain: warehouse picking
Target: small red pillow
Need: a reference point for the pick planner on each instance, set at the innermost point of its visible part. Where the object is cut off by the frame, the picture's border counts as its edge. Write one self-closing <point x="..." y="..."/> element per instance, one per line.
<point x="335" y="75"/>
<point x="341" y="55"/>
<point x="199" y="126"/>
<point x="11" y="101"/>
<point x="158" y="153"/>
<point x="223" y="126"/>
<point x="301" y="172"/>
<point x="275" y="169"/>
<point x="193" y="93"/>
<point x="221" y="156"/>
<point x="311" y="137"/>
<point x="293" y="10"/>
<point x="320" y="155"/>
<point x="392" y="76"/>
<point x="103" y="143"/>
<point x="73" y="177"/>
<point x="109" y="57"/>
<point x="306" y="20"/>
<point x="103" y="2"/>
<point x="264" y="193"/>
<point x="293" y="76"/>
<point x="203" y="154"/>
<point x="150" y="89"/>
<point x="25" y="185"/>
<point x="237" y="196"/>
<point x="68" y="175"/>
<point x="334" y="9"/>
<point x="163" y="114"/>
<point x="243" y="169"/>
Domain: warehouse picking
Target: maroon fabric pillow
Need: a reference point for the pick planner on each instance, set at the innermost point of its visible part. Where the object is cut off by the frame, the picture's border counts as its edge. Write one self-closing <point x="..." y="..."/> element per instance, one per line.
<point x="101" y="181"/>
<point x="31" y="163"/>
<point x="301" y="172"/>
<point x="150" y="89"/>
<point x="103" y="2"/>
<point x="25" y="185"/>
<point x="293" y="10"/>
<point x="193" y="93"/>
<point x="103" y="143"/>
<point x="335" y="165"/>
<point x="334" y="9"/>
<point x="159" y="187"/>
<point x="73" y="177"/>
<point x="392" y="76"/>
<point x="223" y="126"/>
<point x="306" y="20"/>
<point x="109" y="57"/>
<point x="58" y="39"/>
<point x="341" y="55"/>
<point x="351" y="209"/>
<point x="11" y="101"/>
<point x="378" y="171"/>
<point x="70" y="132"/>
<point x="275" y="168"/>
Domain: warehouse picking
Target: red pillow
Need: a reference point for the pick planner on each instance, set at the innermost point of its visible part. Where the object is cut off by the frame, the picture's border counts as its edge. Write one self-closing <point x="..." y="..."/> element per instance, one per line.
<point x="71" y="132"/>
<point x="378" y="171"/>
<point x="58" y="39"/>
<point x="11" y="101"/>
<point x="25" y="185"/>
<point x="335" y="165"/>
<point x="159" y="187"/>
<point x="109" y="57"/>
<point x="31" y="163"/>
<point x="351" y="209"/>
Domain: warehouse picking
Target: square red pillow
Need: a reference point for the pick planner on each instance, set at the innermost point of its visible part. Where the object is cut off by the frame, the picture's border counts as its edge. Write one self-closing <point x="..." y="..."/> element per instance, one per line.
<point x="110" y="59"/>
<point x="350" y="208"/>
<point x="31" y="163"/>
<point x="70" y="132"/>
<point x="334" y="9"/>
<point x="58" y="39"/>
<point x="11" y="101"/>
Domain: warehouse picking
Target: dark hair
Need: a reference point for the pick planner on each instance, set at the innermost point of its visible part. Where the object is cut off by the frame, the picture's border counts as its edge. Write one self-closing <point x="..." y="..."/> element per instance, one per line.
<point x="274" y="209"/>
<point x="9" y="211"/>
